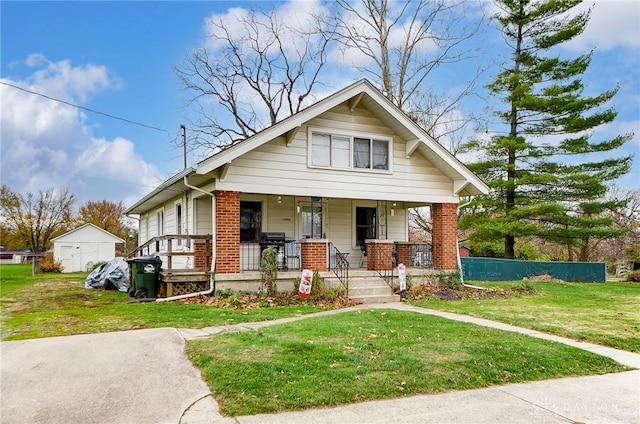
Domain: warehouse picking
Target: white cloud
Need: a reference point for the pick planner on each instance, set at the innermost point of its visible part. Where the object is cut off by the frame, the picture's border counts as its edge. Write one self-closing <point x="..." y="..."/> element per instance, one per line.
<point x="61" y="79"/>
<point x="612" y="24"/>
<point x="48" y="145"/>
<point x="291" y="18"/>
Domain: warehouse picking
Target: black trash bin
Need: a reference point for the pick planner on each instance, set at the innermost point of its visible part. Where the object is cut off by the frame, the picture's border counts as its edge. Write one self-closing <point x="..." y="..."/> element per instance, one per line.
<point x="145" y="272"/>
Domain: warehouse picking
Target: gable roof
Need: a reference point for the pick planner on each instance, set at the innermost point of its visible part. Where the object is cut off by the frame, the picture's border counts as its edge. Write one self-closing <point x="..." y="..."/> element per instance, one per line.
<point x="86" y="226"/>
<point x="364" y="93"/>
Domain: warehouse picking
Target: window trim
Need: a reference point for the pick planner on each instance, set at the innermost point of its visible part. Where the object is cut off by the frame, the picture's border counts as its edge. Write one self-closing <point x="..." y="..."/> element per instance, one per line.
<point x="160" y="228"/>
<point x="351" y="135"/>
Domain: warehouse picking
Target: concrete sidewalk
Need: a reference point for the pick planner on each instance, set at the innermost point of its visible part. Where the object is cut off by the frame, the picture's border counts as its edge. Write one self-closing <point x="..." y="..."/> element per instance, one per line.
<point x="603" y="399"/>
<point x="144" y="376"/>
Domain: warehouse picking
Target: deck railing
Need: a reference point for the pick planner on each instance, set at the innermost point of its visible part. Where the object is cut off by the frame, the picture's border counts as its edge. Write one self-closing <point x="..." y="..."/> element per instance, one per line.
<point x="172" y="246"/>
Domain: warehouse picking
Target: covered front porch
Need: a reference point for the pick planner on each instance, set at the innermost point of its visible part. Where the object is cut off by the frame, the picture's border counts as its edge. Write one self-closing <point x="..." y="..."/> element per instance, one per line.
<point x="342" y="239"/>
<point x="326" y="234"/>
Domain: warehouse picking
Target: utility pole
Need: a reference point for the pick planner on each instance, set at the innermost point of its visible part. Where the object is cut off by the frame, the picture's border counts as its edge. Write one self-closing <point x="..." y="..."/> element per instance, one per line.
<point x="184" y="144"/>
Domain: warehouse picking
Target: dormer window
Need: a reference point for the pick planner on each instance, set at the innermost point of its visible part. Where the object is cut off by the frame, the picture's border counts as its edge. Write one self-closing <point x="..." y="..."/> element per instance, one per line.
<point x="348" y="151"/>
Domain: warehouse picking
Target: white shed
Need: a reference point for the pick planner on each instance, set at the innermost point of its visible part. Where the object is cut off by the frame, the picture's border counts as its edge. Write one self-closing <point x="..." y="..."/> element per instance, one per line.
<point x="84" y="246"/>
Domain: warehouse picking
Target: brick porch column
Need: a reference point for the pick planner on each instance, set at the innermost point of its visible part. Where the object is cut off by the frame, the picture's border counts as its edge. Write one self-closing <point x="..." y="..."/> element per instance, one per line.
<point x="227" y="232"/>
<point x="313" y="254"/>
<point x="445" y="236"/>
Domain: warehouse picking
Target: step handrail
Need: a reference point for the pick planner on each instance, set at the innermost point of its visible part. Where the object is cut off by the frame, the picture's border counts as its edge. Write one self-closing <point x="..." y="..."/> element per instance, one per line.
<point x="341" y="266"/>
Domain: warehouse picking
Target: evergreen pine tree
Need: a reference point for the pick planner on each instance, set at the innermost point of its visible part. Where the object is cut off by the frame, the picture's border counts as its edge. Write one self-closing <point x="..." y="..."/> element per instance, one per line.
<point x="545" y="177"/>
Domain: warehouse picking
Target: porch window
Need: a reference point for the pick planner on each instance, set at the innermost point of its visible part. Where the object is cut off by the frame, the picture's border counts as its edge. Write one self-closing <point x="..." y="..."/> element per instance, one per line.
<point x="349" y="151"/>
<point x="250" y="221"/>
<point x="365" y="224"/>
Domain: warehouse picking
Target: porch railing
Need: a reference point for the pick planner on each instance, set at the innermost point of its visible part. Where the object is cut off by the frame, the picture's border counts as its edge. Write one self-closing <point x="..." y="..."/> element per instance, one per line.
<point x="339" y="264"/>
<point x="288" y="256"/>
<point x="422" y="255"/>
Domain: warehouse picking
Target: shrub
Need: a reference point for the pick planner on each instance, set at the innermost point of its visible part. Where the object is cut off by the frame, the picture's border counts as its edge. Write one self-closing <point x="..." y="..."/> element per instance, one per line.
<point x="48" y="264"/>
<point x="96" y="265"/>
<point x="269" y="270"/>
<point x="634" y="276"/>
<point x="320" y="292"/>
<point x="450" y="279"/>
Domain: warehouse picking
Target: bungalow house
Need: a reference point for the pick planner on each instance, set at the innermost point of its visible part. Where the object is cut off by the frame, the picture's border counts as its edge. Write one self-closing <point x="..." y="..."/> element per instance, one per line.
<point x="330" y="186"/>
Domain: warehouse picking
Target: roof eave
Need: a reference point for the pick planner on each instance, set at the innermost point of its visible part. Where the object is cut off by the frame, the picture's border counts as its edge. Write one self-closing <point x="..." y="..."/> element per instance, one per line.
<point x="177" y="178"/>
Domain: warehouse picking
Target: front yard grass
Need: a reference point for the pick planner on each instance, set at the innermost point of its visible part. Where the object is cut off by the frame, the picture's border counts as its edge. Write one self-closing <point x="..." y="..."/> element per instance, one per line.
<point x="50" y="305"/>
<point x="371" y="354"/>
<point x="602" y="313"/>
<point x="325" y="361"/>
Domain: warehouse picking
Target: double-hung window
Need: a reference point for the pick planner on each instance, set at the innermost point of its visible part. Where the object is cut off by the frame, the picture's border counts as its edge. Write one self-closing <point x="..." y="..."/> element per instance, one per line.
<point x="346" y="151"/>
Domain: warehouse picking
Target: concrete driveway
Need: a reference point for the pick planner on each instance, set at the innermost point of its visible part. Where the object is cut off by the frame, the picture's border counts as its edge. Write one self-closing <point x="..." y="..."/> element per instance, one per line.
<point x="140" y="376"/>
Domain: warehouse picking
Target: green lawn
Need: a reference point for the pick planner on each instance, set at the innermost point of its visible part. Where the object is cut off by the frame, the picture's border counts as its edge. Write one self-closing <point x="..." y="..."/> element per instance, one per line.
<point x="58" y="304"/>
<point x="349" y="357"/>
<point x="607" y="314"/>
<point x="371" y="354"/>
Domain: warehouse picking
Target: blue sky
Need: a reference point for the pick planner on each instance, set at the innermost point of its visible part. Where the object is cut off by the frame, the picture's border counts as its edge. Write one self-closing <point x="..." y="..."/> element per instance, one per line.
<point x="117" y="58"/>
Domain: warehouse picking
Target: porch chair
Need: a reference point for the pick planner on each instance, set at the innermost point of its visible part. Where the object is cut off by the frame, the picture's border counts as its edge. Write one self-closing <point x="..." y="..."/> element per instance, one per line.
<point x="292" y="254"/>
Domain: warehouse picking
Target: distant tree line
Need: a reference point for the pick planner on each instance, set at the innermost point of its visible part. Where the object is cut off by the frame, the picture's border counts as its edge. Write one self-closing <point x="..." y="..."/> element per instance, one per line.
<point x="30" y="221"/>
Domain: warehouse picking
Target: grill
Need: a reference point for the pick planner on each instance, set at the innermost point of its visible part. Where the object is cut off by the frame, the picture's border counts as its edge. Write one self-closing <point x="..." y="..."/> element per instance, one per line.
<point x="273" y="238"/>
<point x="277" y="240"/>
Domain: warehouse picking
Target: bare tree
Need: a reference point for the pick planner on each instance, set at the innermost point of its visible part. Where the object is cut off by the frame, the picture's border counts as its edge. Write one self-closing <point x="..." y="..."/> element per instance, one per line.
<point x="256" y="69"/>
<point x="626" y="246"/>
<point x="408" y="42"/>
<point x="34" y="221"/>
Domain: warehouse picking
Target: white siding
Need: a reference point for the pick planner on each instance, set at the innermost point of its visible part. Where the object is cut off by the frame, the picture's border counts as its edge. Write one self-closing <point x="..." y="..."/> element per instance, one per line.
<point x="202" y="214"/>
<point x="276" y="168"/>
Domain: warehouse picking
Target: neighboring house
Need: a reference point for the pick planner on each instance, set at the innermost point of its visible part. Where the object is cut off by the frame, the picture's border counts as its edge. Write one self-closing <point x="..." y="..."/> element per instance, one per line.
<point x="337" y="176"/>
<point x="6" y="258"/>
<point x="79" y="249"/>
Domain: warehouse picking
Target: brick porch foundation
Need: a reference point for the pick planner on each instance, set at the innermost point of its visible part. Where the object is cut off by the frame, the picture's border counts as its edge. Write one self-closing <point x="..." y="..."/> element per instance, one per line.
<point x="314" y="254"/>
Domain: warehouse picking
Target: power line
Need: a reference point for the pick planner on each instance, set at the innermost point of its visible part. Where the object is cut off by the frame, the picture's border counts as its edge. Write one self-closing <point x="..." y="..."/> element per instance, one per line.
<point x="88" y="109"/>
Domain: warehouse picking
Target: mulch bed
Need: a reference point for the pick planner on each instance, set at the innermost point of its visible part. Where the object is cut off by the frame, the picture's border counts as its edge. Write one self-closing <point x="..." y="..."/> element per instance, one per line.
<point x="257" y="301"/>
<point x="421" y="292"/>
<point x="431" y="292"/>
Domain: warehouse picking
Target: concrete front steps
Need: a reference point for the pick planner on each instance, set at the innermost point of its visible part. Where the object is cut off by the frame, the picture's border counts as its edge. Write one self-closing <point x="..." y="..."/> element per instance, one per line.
<point x="367" y="287"/>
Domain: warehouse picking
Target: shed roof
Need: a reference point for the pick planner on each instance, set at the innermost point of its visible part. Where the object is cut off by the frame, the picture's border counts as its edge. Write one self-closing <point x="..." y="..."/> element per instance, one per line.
<point x="93" y="227"/>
